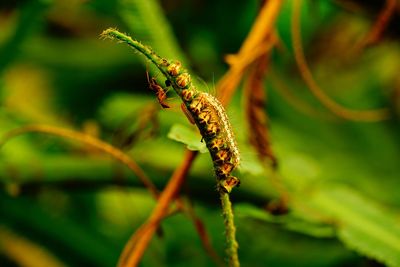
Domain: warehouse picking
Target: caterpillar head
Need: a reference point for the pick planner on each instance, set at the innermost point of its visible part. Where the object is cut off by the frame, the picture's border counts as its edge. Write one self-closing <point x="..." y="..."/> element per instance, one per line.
<point x="229" y="183"/>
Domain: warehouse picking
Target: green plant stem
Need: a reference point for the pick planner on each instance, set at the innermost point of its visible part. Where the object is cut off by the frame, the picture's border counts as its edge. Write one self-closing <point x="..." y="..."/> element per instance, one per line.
<point x="146" y="51"/>
<point x="230" y="230"/>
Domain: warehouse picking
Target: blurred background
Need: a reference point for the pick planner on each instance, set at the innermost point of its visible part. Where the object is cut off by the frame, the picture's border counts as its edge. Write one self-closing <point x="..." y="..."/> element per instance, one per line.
<point x="332" y="201"/>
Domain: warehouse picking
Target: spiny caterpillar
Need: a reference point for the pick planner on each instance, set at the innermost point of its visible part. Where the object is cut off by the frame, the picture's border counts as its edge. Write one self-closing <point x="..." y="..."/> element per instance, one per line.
<point x="201" y="108"/>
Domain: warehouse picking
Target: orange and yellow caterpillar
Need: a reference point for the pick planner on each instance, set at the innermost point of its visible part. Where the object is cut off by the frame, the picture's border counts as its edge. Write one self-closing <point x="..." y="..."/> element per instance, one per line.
<point x="202" y="109"/>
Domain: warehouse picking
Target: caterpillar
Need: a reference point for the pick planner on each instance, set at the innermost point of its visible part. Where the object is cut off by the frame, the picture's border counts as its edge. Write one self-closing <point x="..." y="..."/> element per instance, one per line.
<point x="202" y="108"/>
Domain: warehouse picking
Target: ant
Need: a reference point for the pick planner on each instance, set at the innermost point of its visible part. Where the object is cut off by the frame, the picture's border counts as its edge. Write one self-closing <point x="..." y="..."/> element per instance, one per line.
<point x="160" y="92"/>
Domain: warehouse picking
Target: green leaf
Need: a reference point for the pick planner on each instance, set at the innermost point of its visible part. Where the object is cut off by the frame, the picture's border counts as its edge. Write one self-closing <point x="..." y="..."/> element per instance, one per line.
<point x="147" y="21"/>
<point x="185" y="135"/>
<point x="289" y="221"/>
<point x="361" y="224"/>
<point x="249" y="162"/>
<point x="119" y="106"/>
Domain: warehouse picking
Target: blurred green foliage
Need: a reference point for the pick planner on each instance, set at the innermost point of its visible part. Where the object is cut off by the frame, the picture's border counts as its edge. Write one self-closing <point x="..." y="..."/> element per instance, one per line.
<point x="80" y="207"/>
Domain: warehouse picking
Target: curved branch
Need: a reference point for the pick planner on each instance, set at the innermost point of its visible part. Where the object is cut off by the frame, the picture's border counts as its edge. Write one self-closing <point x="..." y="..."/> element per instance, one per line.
<point x="138" y="243"/>
<point x="89" y="140"/>
<point x="339" y="110"/>
<point x="260" y="39"/>
<point x="380" y="23"/>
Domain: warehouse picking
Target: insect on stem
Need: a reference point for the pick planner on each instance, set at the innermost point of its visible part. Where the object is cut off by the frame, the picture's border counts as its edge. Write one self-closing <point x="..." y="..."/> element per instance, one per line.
<point x="160" y="92"/>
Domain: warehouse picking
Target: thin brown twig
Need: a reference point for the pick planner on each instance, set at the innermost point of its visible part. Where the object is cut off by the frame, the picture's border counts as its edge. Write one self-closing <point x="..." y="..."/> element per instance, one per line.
<point x="380" y="24"/>
<point x="262" y="27"/>
<point x="337" y="109"/>
<point x="202" y="232"/>
<point x="138" y="243"/>
<point x="256" y="117"/>
<point x="89" y="140"/>
<point x="283" y="89"/>
<point x="114" y="152"/>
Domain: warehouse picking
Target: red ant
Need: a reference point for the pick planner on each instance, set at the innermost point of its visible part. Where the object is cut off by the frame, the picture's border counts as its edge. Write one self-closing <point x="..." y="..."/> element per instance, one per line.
<point x="160" y="92"/>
